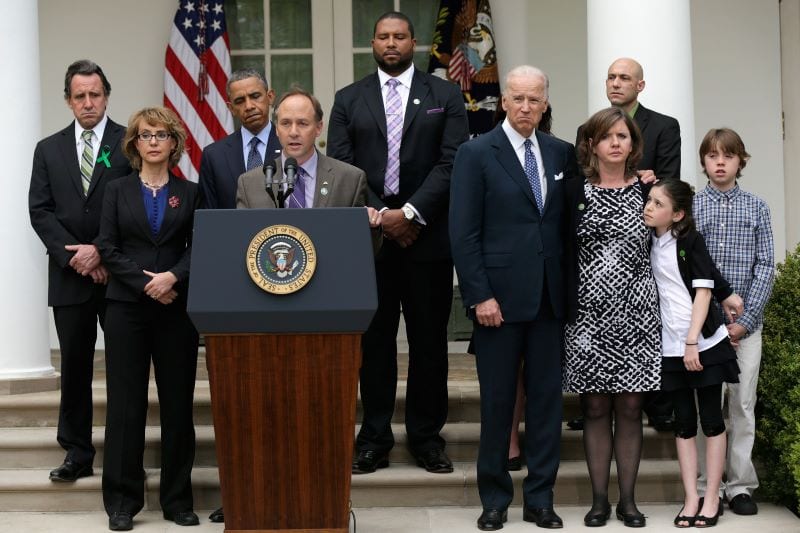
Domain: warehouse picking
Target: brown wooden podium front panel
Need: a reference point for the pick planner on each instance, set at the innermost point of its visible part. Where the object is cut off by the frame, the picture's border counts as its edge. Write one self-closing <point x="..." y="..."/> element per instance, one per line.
<point x="284" y="415"/>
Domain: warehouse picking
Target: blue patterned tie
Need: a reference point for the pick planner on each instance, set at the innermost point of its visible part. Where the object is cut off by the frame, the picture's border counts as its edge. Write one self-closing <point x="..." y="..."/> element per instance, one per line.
<point x="297" y="199"/>
<point x="254" y="156"/>
<point x="532" y="171"/>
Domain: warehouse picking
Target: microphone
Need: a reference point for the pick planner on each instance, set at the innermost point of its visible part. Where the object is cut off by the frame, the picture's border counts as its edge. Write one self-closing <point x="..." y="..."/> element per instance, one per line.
<point x="269" y="173"/>
<point x="290" y="169"/>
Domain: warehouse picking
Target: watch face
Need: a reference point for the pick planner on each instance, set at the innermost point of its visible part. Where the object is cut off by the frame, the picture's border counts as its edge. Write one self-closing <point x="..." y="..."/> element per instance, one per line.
<point x="408" y="213"/>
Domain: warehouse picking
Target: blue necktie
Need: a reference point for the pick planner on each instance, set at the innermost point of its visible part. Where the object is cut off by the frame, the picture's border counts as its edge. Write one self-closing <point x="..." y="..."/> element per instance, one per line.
<point x="254" y="156"/>
<point x="532" y="171"/>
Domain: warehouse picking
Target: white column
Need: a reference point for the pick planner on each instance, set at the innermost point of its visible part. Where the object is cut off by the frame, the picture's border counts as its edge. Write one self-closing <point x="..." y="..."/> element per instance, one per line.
<point x="24" y="344"/>
<point x="657" y="34"/>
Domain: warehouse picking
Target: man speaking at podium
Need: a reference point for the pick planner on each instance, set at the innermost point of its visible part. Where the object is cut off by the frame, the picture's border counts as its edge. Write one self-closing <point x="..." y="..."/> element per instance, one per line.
<point x="321" y="181"/>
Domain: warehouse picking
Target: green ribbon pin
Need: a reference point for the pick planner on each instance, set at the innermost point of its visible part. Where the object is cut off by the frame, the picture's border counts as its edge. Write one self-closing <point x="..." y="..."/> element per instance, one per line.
<point x="103" y="157"/>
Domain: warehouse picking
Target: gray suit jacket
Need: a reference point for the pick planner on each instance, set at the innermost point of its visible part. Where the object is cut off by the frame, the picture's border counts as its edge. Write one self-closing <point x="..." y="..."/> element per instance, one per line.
<point x="346" y="186"/>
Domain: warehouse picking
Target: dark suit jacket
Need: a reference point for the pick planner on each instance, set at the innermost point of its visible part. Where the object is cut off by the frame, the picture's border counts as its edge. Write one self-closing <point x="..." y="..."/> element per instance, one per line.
<point x="435" y="124"/>
<point x="346" y="186"/>
<point x="221" y="165"/>
<point x="662" y="143"/>
<point x="61" y="214"/>
<point x="661" y="139"/>
<point x="128" y="246"/>
<point x="503" y="247"/>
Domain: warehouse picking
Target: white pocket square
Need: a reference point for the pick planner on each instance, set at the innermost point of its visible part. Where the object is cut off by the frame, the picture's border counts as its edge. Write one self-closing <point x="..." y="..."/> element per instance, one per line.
<point x="559" y="176"/>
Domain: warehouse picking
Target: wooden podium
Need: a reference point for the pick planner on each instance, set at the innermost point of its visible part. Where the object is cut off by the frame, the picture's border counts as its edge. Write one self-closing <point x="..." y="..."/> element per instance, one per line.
<point x="283" y="368"/>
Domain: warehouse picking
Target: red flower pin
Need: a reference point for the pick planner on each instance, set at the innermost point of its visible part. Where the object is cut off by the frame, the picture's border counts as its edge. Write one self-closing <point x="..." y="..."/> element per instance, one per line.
<point x="174" y="202"/>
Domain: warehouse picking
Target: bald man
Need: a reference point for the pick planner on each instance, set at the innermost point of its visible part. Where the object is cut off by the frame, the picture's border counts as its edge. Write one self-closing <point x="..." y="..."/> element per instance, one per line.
<point x="661" y="133"/>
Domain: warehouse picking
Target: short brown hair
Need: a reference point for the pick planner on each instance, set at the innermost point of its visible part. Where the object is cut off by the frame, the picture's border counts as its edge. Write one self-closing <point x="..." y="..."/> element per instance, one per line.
<point x="727" y="141"/>
<point x="154" y="115"/>
<point x="298" y="91"/>
<point x="597" y="126"/>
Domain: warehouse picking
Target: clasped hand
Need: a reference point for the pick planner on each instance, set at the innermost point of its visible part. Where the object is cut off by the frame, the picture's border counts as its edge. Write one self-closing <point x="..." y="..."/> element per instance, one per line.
<point x="160" y="286"/>
<point x="398" y="228"/>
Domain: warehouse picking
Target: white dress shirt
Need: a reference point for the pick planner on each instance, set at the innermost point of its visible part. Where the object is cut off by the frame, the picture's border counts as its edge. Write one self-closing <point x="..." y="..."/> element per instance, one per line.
<point x="518" y="144"/>
<point x="97" y="136"/>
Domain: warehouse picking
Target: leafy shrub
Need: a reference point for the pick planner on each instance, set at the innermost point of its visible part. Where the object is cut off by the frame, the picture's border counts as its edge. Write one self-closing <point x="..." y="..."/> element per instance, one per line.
<point x="778" y="410"/>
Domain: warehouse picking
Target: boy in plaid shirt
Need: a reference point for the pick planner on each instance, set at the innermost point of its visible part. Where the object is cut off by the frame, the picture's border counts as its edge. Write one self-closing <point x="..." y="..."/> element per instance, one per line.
<point x="738" y="233"/>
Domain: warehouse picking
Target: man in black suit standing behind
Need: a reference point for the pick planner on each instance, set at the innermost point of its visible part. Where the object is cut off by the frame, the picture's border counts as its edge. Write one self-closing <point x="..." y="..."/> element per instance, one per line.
<point x="249" y="99"/>
<point x="402" y="127"/>
<point x="506" y="228"/>
<point x="70" y="171"/>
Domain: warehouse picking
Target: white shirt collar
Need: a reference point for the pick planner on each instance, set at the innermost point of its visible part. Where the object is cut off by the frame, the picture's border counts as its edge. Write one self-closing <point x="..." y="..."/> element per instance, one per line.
<point x="404" y="78"/>
<point x="99" y="130"/>
<point x="516" y="139"/>
<point x="262" y="135"/>
<point x="664" y="240"/>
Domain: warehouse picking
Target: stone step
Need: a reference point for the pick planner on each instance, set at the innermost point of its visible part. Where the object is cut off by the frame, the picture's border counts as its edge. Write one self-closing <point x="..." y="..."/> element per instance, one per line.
<point x="37" y="447"/>
<point x="396" y="486"/>
<point x="40" y="409"/>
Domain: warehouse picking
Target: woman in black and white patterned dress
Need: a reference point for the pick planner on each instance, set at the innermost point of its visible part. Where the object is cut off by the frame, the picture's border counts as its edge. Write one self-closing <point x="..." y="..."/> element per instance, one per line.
<point x="612" y="340"/>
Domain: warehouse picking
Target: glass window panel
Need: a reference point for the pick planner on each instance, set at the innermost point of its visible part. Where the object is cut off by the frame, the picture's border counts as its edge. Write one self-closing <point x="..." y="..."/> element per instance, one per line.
<point x="291" y="70"/>
<point x="290" y="24"/>
<point x="363" y="64"/>
<point x="255" y="62"/>
<point x="245" y="20"/>
<point x="423" y="14"/>
<point x="365" y="13"/>
<point x="421" y="60"/>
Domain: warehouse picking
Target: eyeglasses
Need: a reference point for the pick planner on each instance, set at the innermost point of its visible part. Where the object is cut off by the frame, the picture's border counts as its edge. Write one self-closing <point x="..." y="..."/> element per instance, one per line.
<point x="160" y="136"/>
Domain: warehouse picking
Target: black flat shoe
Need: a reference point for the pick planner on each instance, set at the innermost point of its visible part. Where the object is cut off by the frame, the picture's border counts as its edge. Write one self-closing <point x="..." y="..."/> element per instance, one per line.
<point x="576" y="424"/>
<point x="492" y="519"/>
<point x="514" y="464"/>
<point x="636" y="519"/>
<point x="120" y="521"/>
<point x="597" y="518"/>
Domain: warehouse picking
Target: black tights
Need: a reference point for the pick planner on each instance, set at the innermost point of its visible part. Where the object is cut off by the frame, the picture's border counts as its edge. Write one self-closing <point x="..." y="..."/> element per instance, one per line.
<point x="625" y="439"/>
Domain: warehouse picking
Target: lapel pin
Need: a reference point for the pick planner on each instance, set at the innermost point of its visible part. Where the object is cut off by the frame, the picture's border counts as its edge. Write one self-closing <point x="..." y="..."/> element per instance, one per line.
<point x="416" y="101"/>
<point x="581" y="207"/>
<point x="324" y="190"/>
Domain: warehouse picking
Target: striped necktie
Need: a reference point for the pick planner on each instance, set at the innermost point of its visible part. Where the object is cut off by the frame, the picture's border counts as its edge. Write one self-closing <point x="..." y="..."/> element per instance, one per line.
<point x="394" y="132"/>
<point x="297" y="199"/>
<point x="87" y="160"/>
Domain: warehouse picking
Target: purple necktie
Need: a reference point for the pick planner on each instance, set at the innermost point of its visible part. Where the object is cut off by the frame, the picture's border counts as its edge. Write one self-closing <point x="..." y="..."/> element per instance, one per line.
<point x="394" y="132"/>
<point x="297" y="200"/>
<point x="532" y="171"/>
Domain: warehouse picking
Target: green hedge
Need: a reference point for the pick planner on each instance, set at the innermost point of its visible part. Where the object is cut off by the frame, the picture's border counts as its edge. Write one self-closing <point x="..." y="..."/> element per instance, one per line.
<point x="778" y="410"/>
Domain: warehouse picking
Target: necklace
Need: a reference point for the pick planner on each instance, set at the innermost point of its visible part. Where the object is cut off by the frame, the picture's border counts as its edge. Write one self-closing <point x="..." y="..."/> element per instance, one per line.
<point x="152" y="187"/>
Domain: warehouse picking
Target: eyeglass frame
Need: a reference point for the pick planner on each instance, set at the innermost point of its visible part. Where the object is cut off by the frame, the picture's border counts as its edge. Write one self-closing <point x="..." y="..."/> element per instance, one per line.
<point x="146" y="136"/>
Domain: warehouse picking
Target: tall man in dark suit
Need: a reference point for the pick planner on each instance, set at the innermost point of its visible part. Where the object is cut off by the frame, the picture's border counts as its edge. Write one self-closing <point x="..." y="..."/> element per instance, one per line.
<point x="70" y="171"/>
<point x="249" y="99"/>
<point x="402" y="127"/>
<point x="506" y="230"/>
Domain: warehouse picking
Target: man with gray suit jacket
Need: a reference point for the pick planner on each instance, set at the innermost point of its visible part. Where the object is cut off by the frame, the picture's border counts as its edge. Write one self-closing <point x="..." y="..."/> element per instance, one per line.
<point x="321" y="181"/>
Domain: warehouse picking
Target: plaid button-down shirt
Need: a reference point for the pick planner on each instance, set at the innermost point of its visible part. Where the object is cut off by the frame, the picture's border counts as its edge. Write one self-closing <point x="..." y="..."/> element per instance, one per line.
<point x="738" y="232"/>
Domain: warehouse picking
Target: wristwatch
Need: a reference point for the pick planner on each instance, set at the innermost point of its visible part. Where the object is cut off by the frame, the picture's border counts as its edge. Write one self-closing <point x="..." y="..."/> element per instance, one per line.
<point x="408" y="213"/>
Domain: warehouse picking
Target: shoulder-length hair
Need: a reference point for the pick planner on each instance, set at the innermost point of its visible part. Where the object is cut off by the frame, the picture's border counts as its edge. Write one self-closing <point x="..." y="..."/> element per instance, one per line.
<point x="155" y="116"/>
<point x="594" y="129"/>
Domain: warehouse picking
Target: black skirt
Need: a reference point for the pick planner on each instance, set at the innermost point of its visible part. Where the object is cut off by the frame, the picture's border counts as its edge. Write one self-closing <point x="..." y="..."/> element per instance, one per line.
<point x="719" y="366"/>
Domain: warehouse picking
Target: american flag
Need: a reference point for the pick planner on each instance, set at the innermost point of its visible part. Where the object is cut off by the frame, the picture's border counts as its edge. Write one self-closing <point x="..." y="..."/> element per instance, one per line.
<point x="198" y="65"/>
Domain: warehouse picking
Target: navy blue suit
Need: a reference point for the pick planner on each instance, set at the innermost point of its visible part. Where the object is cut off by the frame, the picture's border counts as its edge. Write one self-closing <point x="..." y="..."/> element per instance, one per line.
<point x="221" y="165"/>
<point x="504" y="248"/>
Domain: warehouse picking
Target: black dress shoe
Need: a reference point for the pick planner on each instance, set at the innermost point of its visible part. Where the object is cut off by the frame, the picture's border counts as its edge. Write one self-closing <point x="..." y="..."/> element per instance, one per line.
<point x="69" y="471"/>
<point x="597" y="518"/>
<point x="120" y="521"/>
<point x="635" y="519"/>
<point x="576" y="424"/>
<point x="514" y="464"/>
<point x="183" y="518"/>
<point x="367" y="461"/>
<point x="217" y="516"/>
<point x="544" y="517"/>
<point x="435" y="461"/>
<point x="743" y="504"/>
<point x="492" y="519"/>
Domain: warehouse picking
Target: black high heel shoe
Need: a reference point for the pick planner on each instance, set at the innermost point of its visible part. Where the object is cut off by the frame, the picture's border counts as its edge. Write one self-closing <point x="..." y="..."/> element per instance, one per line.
<point x="597" y="518"/>
<point x="708" y="521"/>
<point x="688" y="519"/>
<point x="635" y="519"/>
